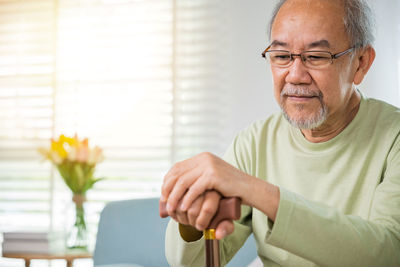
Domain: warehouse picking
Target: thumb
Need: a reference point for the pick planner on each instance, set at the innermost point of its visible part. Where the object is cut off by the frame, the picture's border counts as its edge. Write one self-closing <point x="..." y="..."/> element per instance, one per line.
<point x="224" y="229"/>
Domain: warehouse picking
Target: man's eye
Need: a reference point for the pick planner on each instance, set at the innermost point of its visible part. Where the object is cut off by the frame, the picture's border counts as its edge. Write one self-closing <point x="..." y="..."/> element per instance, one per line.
<point x="281" y="57"/>
<point x="316" y="57"/>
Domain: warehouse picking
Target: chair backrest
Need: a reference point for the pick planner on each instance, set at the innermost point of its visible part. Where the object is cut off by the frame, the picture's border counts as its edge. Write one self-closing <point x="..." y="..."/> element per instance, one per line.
<point x="131" y="231"/>
<point x="246" y="254"/>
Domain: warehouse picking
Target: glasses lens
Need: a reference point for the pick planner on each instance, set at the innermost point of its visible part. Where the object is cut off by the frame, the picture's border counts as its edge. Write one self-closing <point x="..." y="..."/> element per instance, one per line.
<point x="316" y="59"/>
<point x="279" y="58"/>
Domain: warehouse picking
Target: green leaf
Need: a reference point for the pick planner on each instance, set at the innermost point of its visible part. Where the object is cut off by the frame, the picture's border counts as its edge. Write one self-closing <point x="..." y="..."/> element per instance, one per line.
<point x="78" y="176"/>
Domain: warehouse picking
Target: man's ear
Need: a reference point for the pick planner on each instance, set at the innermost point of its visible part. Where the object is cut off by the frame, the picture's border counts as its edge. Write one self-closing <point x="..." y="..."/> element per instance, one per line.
<point x="365" y="58"/>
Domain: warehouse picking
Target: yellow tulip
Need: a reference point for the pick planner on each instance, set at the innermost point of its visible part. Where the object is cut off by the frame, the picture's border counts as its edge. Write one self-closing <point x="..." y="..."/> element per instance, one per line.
<point x="72" y="142"/>
<point x="58" y="147"/>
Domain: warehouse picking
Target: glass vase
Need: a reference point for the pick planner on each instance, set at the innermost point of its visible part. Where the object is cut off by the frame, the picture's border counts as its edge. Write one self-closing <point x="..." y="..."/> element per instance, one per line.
<point x="78" y="235"/>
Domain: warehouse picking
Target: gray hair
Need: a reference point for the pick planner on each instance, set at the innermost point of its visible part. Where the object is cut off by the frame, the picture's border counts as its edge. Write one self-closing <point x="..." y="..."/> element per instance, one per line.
<point x="358" y="20"/>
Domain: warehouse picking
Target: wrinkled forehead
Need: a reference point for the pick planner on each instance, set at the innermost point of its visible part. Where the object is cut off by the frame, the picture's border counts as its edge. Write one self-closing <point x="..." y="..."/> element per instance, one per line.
<point x="302" y="22"/>
<point x="322" y="7"/>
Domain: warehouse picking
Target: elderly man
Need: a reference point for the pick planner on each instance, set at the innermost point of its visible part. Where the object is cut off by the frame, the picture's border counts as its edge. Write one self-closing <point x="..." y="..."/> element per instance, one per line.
<point x="320" y="182"/>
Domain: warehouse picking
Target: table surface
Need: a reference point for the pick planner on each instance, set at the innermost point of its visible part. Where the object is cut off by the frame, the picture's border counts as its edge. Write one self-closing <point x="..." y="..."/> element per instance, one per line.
<point x="68" y="255"/>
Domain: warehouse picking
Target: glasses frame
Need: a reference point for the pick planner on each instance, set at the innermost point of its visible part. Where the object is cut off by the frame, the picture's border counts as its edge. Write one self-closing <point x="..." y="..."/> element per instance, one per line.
<point x="292" y="55"/>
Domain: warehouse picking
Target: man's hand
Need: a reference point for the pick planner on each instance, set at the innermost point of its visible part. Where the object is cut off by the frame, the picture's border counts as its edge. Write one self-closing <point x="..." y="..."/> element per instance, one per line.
<point x="189" y="179"/>
<point x="198" y="217"/>
<point x="200" y="212"/>
<point x="189" y="191"/>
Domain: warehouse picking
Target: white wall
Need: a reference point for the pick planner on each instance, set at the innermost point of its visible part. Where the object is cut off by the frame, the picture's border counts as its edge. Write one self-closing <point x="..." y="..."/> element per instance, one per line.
<point x="250" y="78"/>
<point x="382" y="81"/>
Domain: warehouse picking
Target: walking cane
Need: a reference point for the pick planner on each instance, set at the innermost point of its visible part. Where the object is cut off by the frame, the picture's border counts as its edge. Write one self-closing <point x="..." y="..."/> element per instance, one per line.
<point x="228" y="209"/>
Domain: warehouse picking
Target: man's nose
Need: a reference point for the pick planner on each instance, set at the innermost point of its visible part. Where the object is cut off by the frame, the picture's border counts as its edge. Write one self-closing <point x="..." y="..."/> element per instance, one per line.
<point x="297" y="72"/>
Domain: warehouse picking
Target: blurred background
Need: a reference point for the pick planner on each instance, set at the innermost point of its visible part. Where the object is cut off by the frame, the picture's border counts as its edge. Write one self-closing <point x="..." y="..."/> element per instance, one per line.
<point x="152" y="82"/>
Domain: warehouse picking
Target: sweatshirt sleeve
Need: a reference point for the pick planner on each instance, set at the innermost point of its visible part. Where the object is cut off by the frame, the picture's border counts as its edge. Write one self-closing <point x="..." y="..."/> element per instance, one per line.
<point x="328" y="237"/>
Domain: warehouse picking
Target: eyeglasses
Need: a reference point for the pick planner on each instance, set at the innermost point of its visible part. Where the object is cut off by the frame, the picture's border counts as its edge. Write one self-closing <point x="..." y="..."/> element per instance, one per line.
<point x="310" y="59"/>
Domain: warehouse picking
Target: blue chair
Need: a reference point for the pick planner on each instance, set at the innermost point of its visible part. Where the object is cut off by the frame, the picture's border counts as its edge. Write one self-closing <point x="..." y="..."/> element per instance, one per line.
<point x="131" y="234"/>
<point x="246" y="254"/>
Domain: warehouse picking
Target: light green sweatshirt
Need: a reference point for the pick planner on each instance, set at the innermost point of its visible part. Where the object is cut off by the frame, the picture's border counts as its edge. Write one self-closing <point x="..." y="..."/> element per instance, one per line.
<point x="340" y="200"/>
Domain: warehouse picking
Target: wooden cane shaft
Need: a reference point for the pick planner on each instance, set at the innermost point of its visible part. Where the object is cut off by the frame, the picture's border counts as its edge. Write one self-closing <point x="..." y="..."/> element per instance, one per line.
<point x="212" y="253"/>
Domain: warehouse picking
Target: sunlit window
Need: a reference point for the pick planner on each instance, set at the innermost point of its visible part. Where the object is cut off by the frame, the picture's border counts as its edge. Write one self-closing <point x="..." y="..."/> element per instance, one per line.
<point x="141" y="79"/>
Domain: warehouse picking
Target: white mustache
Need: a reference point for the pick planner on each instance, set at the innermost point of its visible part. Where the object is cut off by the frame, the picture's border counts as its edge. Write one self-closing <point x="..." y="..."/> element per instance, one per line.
<point x="301" y="92"/>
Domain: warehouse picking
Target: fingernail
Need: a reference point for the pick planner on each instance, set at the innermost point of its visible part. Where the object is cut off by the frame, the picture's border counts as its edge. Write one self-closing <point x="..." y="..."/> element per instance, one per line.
<point x="163" y="199"/>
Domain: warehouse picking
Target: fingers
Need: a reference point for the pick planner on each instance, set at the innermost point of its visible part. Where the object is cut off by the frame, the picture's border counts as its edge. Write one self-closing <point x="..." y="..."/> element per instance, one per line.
<point x="224" y="229"/>
<point x="170" y="179"/>
<point x="181" y="216"/>
<point x="177" y="181"/>
<point x="182" y="187"/>
<point x="208" y="209"/>
<point x="198" y="187"/>
<point x="172" y="176"/>
<point x="189" y="179"/>
<point x="212" y="171"/>
<point x="194" y="210"/>
<point x="190" y="216"/>
<point x="200" y="213"/>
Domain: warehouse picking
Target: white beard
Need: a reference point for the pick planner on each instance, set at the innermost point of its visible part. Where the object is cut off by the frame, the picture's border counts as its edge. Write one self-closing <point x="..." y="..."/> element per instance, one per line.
<point x="313" y="121"/>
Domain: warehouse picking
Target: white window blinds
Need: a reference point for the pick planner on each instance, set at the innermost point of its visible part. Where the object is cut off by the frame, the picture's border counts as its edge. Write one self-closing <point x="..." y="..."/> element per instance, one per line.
<point x="200" y="95"/>
<point x="27" y="38"/>
<point x="141" y="79"/>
